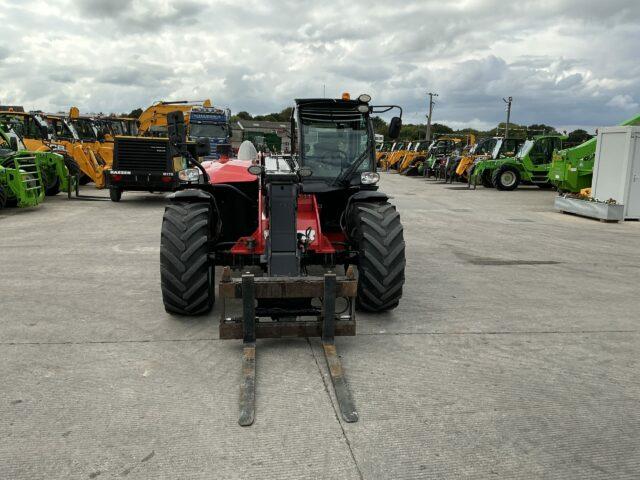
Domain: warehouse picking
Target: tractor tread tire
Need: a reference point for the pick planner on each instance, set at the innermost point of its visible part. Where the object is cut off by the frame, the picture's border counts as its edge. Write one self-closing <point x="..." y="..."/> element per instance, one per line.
<point x="186" y="274"/>
<point x="496" y="178"/>
<point x="378" y="233"/>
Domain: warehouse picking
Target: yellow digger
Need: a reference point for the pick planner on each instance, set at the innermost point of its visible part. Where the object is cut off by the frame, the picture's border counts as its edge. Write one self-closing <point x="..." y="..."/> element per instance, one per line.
<point x="153" y="121"/>
<point x="202" y="120"/>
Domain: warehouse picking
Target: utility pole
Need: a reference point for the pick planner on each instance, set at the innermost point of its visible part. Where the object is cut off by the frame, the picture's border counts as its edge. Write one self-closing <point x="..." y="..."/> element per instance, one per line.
<point x="508" y="101"/>
<point x="431" y="104"/>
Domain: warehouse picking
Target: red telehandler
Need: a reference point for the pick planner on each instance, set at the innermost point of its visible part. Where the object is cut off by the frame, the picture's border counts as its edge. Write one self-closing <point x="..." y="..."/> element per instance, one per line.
<point x="288" y="217"/>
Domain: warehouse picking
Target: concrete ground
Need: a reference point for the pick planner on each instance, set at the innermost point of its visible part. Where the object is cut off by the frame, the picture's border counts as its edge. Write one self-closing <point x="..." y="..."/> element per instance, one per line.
<point x="513" y="354"/>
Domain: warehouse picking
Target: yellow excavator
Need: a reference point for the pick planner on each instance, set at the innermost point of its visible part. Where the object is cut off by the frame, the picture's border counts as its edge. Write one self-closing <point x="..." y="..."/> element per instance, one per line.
<point x="202" y="120"/>
<point x="153" y="121"/>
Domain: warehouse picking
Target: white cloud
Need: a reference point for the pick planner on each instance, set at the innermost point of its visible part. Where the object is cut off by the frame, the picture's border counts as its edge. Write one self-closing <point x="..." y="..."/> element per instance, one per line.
<point x="624" y="102"/>
<point x="565" y="62"/>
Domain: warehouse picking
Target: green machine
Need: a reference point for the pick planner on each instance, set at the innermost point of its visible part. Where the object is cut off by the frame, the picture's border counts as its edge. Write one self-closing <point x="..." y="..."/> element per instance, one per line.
<point x="572" y="168"/>
<point x="21" y="172"/>
<point x="53" y="166"/>
<point x="530" y="165"/>
<point x="20" y="179"/>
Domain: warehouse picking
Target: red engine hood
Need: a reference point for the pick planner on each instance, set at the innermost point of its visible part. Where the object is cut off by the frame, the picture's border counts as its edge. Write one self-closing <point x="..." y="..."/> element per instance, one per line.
<point x="230" y="171"/>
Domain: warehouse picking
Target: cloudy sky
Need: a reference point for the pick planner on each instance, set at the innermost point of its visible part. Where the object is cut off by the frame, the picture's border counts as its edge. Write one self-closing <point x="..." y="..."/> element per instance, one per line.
<point x="566" y="62"/>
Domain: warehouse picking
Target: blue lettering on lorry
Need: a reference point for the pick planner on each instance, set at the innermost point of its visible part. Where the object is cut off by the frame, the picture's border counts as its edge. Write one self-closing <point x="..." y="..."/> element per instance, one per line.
<point x="214" y="124"/>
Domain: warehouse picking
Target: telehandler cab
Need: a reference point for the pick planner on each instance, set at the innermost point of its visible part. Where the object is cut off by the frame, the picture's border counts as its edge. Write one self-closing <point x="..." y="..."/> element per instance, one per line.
<point x="287" y="216"/>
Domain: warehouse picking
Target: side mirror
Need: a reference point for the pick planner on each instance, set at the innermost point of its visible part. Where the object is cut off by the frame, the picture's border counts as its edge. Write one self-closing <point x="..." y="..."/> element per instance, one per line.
<point x="203" y="147"/>
<point x="394" y="127"/>
<point x="175" y="128"/>
<point x="13" y="143"/>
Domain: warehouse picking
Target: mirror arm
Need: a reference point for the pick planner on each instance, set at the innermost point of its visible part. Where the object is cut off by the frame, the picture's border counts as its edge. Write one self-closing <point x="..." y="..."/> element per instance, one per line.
<point x="385" y="108"/>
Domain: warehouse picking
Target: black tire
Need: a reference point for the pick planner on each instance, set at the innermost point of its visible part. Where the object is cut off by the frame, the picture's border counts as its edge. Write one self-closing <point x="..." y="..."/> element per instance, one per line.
<point x="115" y="194"/>
<point x="51" y="186"/>
<point x="3" y="197"/>
<point x="485" y="179"/>
<point x="376" y="230"/>
<point x="506" y="178"/>
<point x="186" y="274"/>
<point x="84" y="179"/>
<point x="545" y="186"/>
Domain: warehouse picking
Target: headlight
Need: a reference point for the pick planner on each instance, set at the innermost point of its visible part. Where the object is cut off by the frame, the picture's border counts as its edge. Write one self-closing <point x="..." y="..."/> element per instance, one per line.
<point x="189" y="175"/>
<point x="369" y="178"/>
<point x="364" y="98"/>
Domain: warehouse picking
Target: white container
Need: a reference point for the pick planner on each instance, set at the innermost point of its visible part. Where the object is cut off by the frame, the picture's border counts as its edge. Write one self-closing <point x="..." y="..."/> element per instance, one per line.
<point x="616" y="170"/>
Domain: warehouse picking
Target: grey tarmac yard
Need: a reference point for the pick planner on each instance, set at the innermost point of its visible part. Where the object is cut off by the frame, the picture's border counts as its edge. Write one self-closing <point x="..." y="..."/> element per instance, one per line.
<point x="513" y="354"/>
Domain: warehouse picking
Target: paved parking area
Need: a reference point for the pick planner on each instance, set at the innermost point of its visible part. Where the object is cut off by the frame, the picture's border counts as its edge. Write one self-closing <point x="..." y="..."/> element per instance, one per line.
<point x="514" y="353"/>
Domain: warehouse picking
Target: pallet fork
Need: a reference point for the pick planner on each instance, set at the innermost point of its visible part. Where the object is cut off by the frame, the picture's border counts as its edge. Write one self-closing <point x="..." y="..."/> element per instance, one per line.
<point x="250" y="288"/>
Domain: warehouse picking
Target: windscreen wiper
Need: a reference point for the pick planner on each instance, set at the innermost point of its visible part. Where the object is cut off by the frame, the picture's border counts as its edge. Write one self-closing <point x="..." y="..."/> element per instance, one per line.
<point x="346" y="174"/>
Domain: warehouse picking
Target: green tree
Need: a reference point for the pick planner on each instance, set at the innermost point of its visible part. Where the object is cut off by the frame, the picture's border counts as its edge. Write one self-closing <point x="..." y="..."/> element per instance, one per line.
<point x="243" y="115"/>
<point x="439" y="129"/>
<point x="578" y="136"/>
<point x="135" y="113"/>
<point x="285" y="114"/>
<point x="379" y="125"/>
<point x="540" y="129"/>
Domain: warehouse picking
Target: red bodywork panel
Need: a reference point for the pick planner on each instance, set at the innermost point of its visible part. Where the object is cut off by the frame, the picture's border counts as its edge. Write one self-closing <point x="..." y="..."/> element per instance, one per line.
<point x="308" y="217"/>
<point x="235" y="171"/>
<point x="229" y="171"/>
